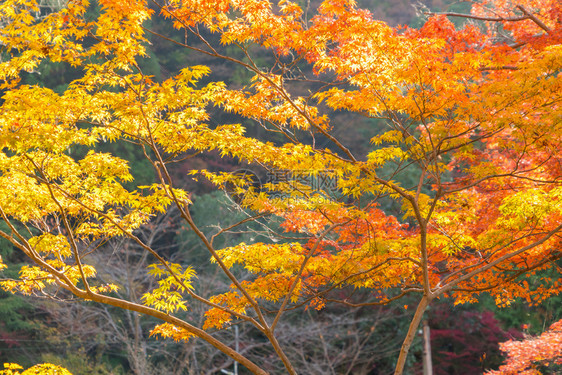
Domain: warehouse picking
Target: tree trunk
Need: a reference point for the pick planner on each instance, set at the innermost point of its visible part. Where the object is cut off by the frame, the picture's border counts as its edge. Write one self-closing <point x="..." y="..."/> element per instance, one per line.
<point x="414" y="325"/>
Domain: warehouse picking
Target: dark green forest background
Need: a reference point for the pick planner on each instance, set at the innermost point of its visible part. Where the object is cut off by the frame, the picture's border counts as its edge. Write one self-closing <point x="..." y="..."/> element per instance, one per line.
<point x="92" y="339"/>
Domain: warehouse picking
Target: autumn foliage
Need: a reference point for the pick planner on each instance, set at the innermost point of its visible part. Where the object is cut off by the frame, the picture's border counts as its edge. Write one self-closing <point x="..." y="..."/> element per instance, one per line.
<point x="534" y="355"/>
<point x="472" y="113"/>
<point x="42" y="369"/>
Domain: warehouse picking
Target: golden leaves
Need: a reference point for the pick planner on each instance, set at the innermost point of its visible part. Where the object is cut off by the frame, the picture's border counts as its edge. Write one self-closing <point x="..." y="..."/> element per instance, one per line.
<point x="50" y="244"/>
<point x="173" y="280"/>
<point x="40" y="369"/>
<point x="531" y="208"/>
<point x="169" y="330"/>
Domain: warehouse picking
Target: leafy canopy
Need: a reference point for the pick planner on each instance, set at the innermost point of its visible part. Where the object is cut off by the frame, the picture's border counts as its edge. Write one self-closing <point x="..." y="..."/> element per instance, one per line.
<point x="476" y="111"/>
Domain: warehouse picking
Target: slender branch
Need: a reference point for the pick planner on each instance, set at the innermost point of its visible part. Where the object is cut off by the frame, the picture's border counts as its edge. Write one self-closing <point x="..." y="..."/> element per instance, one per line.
<point x="480" y="18"/>
<point x="255" y="369"/>
<point x="223" y="230"/>
<point x="299" y="274"/>
<point x="381" y="303"/>
<point x="453" y="283"/>
<point x="534" y="18"/>
<point x="505" y="67"/>
<point x="70" y="232"/>
<point x="527" y="16"/>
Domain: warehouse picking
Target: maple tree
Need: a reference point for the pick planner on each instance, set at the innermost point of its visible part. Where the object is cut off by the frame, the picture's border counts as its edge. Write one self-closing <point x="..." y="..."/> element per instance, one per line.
<point x="529" y="355"/>
<point x="475" y="112"/>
